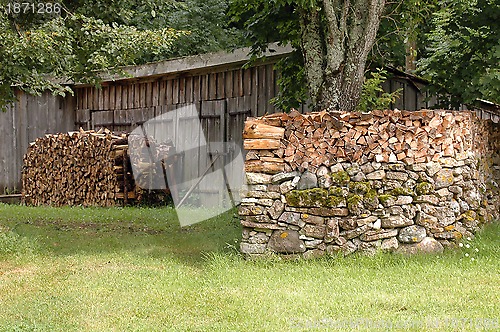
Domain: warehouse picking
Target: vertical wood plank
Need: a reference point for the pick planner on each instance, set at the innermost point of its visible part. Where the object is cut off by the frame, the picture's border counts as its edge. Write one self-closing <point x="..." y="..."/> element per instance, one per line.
<point x="189" y="90"/>
<point x="270" y="93"/>
<point x="205" y="87"/>
<point x="118" y="98"/>
<point x="161" y="92"/>
<point x="136" y="99"/>
<point x="261" y="91"/>
<point x="169" y="96"/>
<point x="82" y="98"/>
<point x="155" y="93"/>
<point x="52" y="113"/>
<point x="105" y="92"/>
<point x="255" y="91"/>
<point x="142" y="95"/>
<point x="220" y="92"/>
<point x="212" y="86"/>
<point x="175" y="91"/>
<point x="112" y="97"/>
<point x="182" y="90"/>
<point x="228" y="81"/>
<point x="196" y="88"/>
<point x="248" y="75"/>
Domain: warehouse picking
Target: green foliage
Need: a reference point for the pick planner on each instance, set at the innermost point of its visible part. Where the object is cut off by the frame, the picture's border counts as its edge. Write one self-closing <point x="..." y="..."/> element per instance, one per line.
<point x="463" y="54"/>
<point x="275" y="21"/>
<point x="209" y="27"/>
<point x="38" y="52"/>
<point x="13" y="243"/>
<point x="373" y="96"/>
<point x="292" y="88"/>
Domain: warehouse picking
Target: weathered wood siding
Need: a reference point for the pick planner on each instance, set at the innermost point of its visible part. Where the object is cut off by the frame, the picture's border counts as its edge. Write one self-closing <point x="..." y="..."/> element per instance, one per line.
<point x="123" y="105"/>
<point x="222" y="98"/>
<point x="29" y="118"/>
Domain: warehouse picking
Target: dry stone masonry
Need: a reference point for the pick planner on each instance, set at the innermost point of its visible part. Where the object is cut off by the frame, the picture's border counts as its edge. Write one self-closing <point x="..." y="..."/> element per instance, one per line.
<point x="324" y="183"/>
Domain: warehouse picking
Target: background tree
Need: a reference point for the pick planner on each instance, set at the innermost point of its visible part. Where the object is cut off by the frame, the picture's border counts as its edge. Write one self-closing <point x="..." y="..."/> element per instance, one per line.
<point x="81" y="39"/>
<point x="208" y="24"/>
<point x="463" y="54"/>
<point x="402" y="34"/>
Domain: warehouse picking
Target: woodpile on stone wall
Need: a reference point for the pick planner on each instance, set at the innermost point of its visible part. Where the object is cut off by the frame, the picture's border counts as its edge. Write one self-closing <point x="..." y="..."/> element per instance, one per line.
<point x="341" y="182"/>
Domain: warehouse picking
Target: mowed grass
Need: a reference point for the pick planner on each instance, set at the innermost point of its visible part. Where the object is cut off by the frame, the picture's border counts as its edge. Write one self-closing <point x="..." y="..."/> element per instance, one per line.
<point x="136" y="269"/>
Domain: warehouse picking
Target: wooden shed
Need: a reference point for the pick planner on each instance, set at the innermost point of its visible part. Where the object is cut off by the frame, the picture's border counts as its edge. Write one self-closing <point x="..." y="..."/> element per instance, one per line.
<point x="218" y="85"/>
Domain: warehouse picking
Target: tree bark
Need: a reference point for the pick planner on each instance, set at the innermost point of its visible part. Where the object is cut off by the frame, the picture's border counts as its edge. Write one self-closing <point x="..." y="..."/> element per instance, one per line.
<point x="339" y="47"/>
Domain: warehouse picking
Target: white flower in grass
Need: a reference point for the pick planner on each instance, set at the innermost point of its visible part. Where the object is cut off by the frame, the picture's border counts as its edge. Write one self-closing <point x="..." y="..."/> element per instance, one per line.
<point x="467" y="246"/>
<point x="472" y="259"/>
<point x="477" y="250"/>
<point x="468" y="238"/>
<point x="466" y="255"/>
<point x="460" y="245"/>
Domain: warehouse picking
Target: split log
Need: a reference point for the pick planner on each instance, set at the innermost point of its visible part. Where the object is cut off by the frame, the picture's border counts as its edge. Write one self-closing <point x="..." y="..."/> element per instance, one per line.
<point x="261" y="144"/>
<point x="254" y="129"/>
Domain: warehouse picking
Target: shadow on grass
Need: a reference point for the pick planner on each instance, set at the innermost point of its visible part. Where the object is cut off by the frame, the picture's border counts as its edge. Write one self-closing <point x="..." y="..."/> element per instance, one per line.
<point x="150" y="232"/>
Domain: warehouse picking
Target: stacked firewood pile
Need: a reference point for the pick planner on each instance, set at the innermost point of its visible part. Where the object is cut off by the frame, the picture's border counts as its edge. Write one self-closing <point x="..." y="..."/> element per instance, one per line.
<point x="294" y="141"/>
<point x="78" y="168"/>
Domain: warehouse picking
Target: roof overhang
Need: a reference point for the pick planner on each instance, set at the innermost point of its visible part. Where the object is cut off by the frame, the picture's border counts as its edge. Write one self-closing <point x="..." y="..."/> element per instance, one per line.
<point x="202" y="62"/>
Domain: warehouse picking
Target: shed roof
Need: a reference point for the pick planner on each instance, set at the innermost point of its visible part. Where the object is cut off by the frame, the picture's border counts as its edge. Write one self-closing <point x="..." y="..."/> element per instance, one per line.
<point x="194" y="63"/>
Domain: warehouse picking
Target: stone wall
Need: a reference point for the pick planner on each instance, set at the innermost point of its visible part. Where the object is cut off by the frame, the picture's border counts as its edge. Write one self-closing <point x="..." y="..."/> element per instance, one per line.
<point x="324" y="183"/>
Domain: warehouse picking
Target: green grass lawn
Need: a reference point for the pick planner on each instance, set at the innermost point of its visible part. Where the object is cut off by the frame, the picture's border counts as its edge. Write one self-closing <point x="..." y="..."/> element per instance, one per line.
<point x="135" y="269"/>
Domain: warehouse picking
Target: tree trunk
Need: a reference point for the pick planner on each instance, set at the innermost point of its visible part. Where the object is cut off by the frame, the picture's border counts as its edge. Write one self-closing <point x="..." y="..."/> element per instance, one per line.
<point x="335" y="53"/>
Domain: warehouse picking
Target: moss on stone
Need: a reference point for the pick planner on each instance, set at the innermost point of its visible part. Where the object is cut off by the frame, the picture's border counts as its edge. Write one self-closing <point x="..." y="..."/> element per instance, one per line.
<point x="371" y="199"/>
<point x="355" y="203"/>
<point x="360" y="187"/>
<point x="354" y="200"/>
<point x="384" y="198"/>
<point x="336" y="191"/>
<point x="402" y="192"/>
<point x="307" y="198"/>
<point x="340" y="178"/>
<point x="424" y="188"/>
<point x="334" y="201"/>
<point x="371" y="193"/>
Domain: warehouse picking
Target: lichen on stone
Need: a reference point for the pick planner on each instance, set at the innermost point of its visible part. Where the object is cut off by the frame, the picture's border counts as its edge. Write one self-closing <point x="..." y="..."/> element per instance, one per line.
<point x="469" y="216"/>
